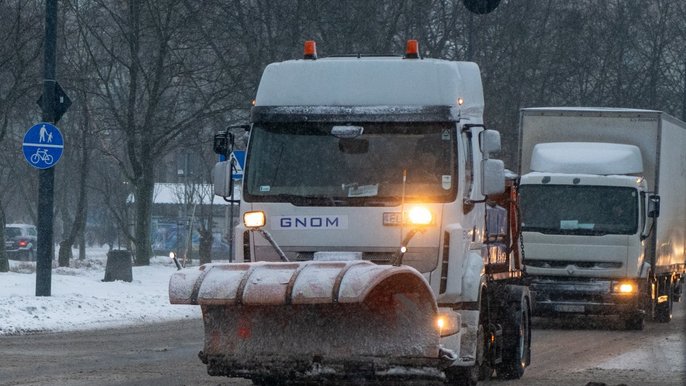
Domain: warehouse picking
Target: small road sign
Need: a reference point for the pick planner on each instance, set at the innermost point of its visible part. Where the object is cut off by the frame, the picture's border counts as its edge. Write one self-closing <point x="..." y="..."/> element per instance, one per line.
<point x="60" y="104"/>
<point x="43" y="145"/>
<point x="239" y="164"/>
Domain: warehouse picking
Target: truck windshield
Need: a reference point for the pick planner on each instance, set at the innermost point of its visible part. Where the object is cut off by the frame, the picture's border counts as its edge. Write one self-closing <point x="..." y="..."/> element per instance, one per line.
<point x="355" y="164"/>
<point x="580" y="210"/>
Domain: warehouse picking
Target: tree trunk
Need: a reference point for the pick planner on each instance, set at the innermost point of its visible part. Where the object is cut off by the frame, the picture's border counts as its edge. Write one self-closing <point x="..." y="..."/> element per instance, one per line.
<point x="64" y="254"/>
<point x="144" y="189"/>
<point x="4" y="262"/>
<point x="77" y="227"/>
<point x="82" y="244"/>
<point x="205" y="249"/>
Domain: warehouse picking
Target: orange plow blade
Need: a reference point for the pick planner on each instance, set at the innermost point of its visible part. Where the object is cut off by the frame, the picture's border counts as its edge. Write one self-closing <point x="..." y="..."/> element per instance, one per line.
<point x="312" y="319"/>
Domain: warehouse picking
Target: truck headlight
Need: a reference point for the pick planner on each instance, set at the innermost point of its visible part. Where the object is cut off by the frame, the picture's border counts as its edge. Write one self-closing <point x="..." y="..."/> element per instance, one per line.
<point x="624" y="287"/>
<point x="254" y="219"/>
<point x="419" y="215"/>
<point x="447" y="322"/>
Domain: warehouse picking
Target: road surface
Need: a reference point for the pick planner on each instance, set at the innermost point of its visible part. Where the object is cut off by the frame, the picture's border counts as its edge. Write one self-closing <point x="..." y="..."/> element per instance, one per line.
<point x="565" y="352"/>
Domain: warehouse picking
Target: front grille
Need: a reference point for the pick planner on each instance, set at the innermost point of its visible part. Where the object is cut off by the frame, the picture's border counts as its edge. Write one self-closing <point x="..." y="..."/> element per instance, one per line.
<point x="559" y="264"/>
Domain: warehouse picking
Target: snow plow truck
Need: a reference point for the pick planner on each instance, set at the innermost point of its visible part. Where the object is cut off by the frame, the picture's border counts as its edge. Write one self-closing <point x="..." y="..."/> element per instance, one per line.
<point x="380" y="241"/>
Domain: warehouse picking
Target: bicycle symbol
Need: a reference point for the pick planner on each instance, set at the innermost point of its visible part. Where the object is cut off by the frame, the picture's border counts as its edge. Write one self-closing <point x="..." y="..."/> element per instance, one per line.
<point x="41" y="155"/>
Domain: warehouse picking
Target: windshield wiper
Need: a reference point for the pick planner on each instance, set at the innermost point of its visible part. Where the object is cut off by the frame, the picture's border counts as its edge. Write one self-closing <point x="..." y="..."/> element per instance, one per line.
<point x="539" y="229"/>
<point x="557" y="231"/>
<point x="299" y="200"/>
<point x="325" y="200"/>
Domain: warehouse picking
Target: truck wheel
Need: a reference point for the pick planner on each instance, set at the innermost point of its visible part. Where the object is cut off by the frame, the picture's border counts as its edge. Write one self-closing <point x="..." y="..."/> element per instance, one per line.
<point x="516" y="341"/>
<point x="634" y="322"/>
<point x="663" y="311"/>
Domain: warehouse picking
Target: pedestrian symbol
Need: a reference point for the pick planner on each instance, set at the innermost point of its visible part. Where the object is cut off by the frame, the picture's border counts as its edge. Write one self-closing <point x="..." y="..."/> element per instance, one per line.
<point x="43" y="145"/>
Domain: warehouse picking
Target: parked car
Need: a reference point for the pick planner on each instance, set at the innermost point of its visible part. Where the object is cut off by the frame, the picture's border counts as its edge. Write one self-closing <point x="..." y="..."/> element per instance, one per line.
<point x="20" y="241"/>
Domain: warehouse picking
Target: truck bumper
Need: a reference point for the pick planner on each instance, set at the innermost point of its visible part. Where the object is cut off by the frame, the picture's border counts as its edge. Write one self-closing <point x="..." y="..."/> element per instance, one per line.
<point x="555" y="296"/>
<point x="373" y="370"/>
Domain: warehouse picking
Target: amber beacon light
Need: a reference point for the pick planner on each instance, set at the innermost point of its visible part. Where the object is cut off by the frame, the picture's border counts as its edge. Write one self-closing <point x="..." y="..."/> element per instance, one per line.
<point x="412" y="49"/>
<point x="310" y="51"/>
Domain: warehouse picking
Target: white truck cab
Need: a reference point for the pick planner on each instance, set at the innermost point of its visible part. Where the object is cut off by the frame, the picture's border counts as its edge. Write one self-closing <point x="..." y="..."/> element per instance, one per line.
<point x="368" y="179"/>
<point x="603" y="212"/>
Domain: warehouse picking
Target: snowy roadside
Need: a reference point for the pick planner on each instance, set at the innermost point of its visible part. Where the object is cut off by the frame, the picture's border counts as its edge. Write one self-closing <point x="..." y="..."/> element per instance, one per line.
<point x="80" y="300"/>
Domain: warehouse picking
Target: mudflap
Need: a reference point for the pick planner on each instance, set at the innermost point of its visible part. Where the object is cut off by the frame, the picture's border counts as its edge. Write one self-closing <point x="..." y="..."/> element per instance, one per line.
<point x="314" y="320"/>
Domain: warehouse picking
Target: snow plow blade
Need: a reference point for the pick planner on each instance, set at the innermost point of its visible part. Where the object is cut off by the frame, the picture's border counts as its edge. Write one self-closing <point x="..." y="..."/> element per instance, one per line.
<point x="315" y="319"/>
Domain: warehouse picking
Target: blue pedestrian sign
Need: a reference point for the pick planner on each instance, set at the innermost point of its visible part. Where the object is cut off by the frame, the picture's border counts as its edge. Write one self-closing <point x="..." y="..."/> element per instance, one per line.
<point x="43" y="145"/>
<point x="239" y="157"/>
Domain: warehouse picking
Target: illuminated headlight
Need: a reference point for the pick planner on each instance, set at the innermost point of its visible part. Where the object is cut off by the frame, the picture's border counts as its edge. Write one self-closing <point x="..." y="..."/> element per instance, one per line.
<point x="624" y="288"/>
<point x="447" y="322"/>
<point x="419" y="215"/>
<point x="254" y="219"/>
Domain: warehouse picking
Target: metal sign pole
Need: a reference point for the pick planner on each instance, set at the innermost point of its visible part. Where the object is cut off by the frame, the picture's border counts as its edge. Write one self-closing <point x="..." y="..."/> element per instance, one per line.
<point x="46" y="177"/>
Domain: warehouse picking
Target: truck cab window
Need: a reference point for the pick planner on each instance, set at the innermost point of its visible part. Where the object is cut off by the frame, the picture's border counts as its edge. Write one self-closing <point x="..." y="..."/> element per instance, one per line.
<point x="303" y="163"/>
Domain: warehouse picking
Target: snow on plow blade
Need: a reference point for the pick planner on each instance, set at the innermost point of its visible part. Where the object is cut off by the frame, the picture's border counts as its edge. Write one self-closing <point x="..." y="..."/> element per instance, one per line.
<point x="311" y="319"/>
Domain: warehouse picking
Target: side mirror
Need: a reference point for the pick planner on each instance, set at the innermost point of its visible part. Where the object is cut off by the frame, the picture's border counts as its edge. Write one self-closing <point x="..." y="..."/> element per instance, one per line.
<point x="492" y="177"/>
<point x="489" y="141"/>
<point x="223" y="143"/>
<point x="221" y="177"/>
<point x="654" y="206"/>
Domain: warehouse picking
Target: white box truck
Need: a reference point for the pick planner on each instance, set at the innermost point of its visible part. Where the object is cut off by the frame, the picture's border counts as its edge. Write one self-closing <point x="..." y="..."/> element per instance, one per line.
<point x="603" y="211"/>
<point x="380" y="240"/>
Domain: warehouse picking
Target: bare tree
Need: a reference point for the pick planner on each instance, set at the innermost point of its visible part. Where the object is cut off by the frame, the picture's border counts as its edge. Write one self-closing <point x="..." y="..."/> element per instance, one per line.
<point x="19" y="51"/>
<point x="156" y="83"/>
<point x="156" y="77"/>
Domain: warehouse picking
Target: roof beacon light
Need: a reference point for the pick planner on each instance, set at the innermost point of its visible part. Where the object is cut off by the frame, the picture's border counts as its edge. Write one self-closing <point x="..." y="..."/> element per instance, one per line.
<point x="310" y="49"/>
<point x="412" y="49"/>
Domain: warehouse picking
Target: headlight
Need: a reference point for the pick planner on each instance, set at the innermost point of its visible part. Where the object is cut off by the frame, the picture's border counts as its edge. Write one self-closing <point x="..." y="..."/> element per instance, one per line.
<point x="624" y="287"/>
<point x="254" y="219"/>
<point x="419" y="215"/>
<point x="447" y="322"/>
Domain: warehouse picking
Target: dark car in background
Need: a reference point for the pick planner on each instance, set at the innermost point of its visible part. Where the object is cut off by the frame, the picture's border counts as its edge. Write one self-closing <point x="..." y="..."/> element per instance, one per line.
<point x="20" y="241"/>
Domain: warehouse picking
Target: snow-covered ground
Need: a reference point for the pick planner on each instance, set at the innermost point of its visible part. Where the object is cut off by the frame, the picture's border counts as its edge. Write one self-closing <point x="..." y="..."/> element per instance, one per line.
<point x="80" y="300"/>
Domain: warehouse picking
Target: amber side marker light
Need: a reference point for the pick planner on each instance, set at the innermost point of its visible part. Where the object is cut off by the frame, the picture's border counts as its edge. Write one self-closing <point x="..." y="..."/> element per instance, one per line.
<point x="172" y="256"/>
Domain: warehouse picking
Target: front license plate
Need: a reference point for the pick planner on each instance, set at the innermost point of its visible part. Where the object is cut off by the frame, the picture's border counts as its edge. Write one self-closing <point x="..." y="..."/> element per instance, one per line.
<point x="569" y="308"/>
